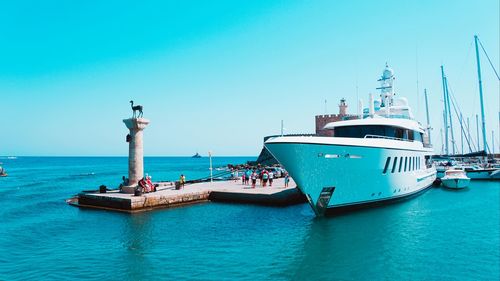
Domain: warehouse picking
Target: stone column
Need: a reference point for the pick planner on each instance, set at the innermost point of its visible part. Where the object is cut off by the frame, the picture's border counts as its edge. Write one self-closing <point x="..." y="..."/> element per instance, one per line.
<point x="135" y="152"/>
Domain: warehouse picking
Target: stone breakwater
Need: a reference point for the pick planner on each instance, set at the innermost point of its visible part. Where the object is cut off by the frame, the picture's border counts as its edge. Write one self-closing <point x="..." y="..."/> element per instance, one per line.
<point x="166" y="196"/>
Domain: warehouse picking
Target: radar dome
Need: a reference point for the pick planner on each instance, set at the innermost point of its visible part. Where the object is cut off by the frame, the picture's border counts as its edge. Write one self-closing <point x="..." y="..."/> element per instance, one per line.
<point x="388" y="72"/>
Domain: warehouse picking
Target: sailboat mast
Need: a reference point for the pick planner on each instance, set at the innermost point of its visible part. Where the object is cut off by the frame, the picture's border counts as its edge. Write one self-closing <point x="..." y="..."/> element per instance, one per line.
<point x="442" y="142"/>
<point x="462" y="133"/>
<point x="493" y="142"/>
<point x="477" y="134"/>
<point x="427" y="113"/>
<point x="468" y="133"/>
<point x="445" y="113"/>
<point x="483" y="125"/>
<point x="449" y="115"/>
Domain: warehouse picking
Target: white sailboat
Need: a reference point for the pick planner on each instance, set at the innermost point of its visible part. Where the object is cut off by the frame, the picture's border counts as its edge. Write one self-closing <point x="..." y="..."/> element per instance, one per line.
<point x="474" y="171"/>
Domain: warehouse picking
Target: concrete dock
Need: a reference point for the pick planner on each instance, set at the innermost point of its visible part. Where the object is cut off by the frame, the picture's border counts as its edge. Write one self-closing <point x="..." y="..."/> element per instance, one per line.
<point x="166" y="196"/>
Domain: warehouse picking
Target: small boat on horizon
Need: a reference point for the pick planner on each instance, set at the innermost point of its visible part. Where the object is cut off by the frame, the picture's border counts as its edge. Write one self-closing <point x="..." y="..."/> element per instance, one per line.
<point x="197" y="155"/>
<point x="455" y="179"/>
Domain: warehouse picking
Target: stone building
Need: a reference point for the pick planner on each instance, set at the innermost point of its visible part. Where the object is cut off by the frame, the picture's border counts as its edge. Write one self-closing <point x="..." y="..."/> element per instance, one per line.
<point x="322" y="120"/>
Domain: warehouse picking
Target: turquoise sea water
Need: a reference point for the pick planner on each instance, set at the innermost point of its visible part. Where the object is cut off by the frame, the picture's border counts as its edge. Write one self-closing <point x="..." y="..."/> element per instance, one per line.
<point x="440" y="235"/>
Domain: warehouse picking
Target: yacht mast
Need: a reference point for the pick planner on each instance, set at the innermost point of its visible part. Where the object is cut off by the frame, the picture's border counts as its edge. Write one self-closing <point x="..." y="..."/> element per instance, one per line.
<point x="445" y="115"/>
<point x="427" y="113"/>
<point x="483" y="125"/>
<point x="387" y="89"/>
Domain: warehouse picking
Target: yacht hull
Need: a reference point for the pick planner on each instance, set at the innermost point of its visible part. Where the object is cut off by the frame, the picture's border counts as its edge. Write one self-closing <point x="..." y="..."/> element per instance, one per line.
<point x="482" y="174"/>
<point x="338" y="177"/>
<point x="455" y="183"/>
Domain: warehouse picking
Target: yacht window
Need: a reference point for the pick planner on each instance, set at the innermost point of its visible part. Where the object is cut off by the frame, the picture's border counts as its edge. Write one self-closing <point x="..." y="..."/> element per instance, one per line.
<point x="399" y="133"/>
<point x="390" y="131"/>
<point x="375" y="130"/>
<point x="406" y="162"/>
<point x="428" y="162"/>
<point x="410" y="135"/>
<point x="386" y="165"/>
<point x="409" y="164"/>
<point x="418" y="137"/>
<point x="405" y="134"/>
<point x="394" y="164"/>
<point x="400" y="164"/>
<point x="358" y="131"/>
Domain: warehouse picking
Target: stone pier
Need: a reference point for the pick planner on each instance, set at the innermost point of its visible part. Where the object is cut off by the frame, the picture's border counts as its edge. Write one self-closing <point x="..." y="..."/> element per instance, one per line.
<point x="135" y="152"/>
<point x="167" y="196"/>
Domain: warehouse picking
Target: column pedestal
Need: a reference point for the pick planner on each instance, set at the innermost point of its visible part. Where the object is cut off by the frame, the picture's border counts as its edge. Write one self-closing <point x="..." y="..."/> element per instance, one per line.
<point x="135" y="152"/>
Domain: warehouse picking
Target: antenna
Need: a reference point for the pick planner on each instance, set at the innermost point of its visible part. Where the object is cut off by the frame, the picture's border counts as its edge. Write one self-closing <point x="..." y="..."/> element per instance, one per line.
<point x="357" y="95"/>
<point x="418" y="90"/>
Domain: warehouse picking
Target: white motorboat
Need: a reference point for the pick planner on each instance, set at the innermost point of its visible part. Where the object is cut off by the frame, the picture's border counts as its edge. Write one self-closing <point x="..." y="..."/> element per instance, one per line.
<point x="375" y="159"/>
<point x="455" y="178"/>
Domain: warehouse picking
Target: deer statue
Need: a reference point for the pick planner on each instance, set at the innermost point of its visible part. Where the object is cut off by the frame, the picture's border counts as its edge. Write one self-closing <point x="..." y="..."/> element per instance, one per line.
<point x="136" y="108"/>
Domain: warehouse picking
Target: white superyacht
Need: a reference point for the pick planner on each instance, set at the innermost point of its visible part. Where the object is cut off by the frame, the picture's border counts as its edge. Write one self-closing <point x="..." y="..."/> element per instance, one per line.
<point x="378" y="158"/>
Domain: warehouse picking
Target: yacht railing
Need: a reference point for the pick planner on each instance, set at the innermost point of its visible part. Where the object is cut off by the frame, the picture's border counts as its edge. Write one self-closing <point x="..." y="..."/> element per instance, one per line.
<point x="385" y="137"/>
<point x="394" y="138"/>
<point x="392" y="116"/>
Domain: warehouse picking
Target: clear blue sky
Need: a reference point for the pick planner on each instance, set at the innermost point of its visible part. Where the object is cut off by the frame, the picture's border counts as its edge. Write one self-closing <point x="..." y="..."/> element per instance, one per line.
<point x="220" y="75"/>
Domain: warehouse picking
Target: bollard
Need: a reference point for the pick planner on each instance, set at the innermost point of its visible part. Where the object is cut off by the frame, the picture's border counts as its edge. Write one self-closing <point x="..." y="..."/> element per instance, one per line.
<point x="137" y="192"/>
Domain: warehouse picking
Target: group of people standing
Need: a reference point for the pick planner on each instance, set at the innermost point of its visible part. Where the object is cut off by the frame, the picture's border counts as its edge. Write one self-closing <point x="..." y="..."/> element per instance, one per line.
<point x="264" y="177"/>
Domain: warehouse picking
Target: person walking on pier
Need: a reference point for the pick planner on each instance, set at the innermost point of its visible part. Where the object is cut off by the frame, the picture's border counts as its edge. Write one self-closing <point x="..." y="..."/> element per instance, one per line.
<point x="271" y="176"/>
<point x="182" y="180"/>
<point x="254" y="179"/>
<point x="265" y="177"/>
<point x="287" y="180"/>
<point x="249" y="174"/>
